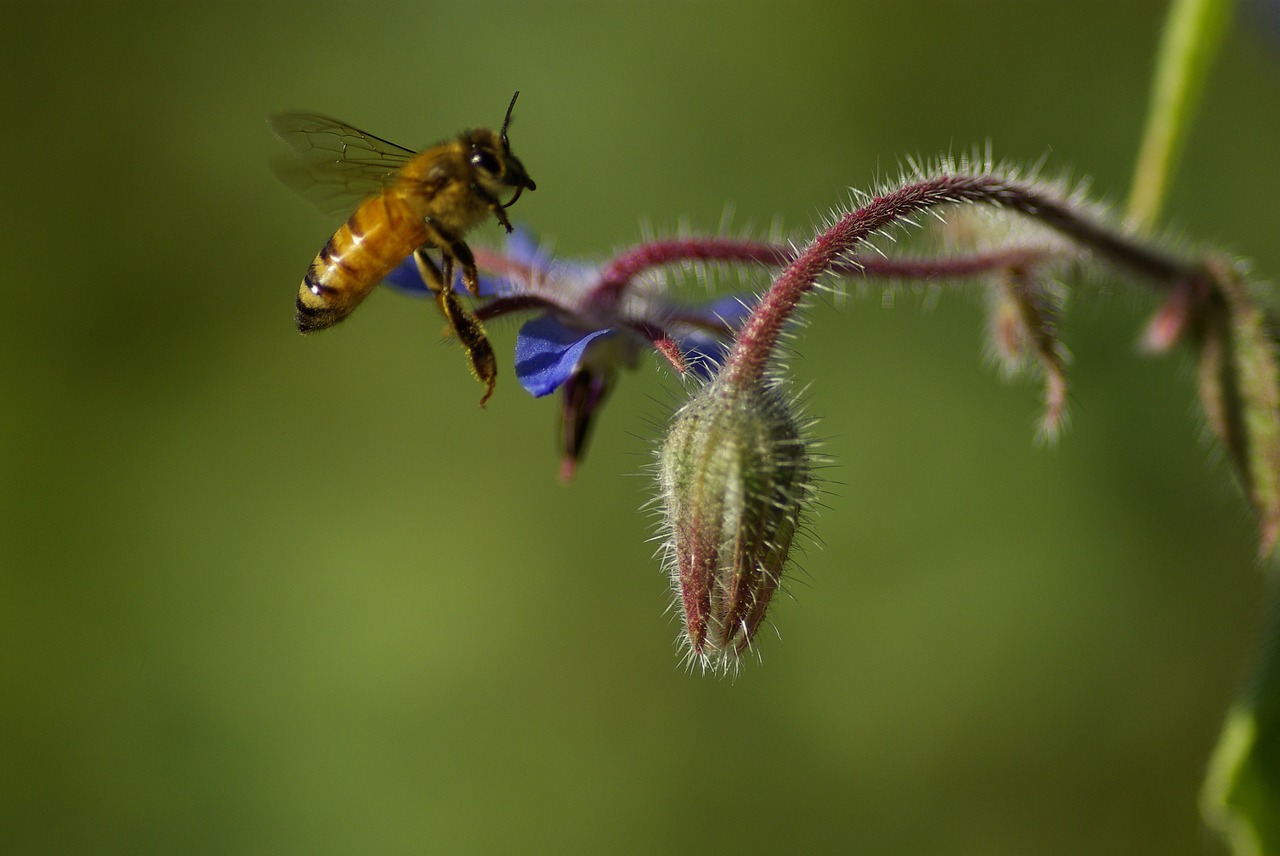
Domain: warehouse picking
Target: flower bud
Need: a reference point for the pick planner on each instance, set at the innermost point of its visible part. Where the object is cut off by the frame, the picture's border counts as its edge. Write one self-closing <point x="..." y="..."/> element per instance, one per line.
<point x="735" y="484"/>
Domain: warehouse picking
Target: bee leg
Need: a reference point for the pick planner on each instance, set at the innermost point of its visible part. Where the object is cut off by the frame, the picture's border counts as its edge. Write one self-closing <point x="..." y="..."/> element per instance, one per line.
<point x="499" y="210"/>
<point x="484" y="365"/>
<point x="461" y="322"/>
<point x="436" y="280"/>
<point x="454" y="250"/>
<point x="428" y="270"/>
<point x="446" y="265"/>
<point x="462" y="254"/>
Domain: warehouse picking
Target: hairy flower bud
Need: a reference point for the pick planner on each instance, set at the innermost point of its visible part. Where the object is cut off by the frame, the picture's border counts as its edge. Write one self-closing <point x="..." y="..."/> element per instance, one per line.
<point x="735" y="482"/>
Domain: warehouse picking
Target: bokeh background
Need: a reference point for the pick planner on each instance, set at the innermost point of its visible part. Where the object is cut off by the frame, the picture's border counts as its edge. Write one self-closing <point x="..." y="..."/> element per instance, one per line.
<point x="262" y="594"/>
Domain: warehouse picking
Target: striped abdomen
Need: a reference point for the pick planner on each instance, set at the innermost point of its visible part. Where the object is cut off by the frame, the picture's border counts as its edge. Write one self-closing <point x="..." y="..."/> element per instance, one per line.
<point x="383" y="231"/>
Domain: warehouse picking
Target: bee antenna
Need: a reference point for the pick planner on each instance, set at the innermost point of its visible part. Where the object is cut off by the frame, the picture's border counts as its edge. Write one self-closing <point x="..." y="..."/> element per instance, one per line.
<point x="507" y="120"/>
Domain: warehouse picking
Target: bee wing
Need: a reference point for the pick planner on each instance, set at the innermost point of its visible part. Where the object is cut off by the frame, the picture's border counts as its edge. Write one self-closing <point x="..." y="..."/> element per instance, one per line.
<point x="334" y="164"/>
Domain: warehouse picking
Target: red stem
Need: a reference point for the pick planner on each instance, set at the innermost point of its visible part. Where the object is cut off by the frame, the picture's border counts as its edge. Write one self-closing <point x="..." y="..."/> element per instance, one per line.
<point x="640" y="258"/>
<point x="617" y="276"/>
<point x="756" y="341"/>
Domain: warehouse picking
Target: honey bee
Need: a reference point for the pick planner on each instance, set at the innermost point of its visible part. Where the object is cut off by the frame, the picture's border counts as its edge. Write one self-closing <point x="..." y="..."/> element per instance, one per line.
<point x="407" y="203"/>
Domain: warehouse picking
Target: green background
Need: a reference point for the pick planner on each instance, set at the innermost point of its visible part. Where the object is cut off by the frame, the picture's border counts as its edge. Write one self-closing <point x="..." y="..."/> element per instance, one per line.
<point x="262" y="594"/>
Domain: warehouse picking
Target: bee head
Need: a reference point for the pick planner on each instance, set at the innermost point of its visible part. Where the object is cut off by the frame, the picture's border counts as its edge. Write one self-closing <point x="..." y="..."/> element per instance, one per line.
<point x="492" y="158"/>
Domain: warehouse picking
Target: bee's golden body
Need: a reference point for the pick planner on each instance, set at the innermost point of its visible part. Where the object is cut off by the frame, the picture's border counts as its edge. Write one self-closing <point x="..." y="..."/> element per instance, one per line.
<point x="381" y="233"/>
<point x="407" y="203"/>
<point x="433" y="203"/>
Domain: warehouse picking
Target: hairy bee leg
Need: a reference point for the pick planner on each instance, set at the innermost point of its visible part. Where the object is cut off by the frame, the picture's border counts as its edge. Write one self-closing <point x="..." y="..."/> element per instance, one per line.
<point x="501" y="213"/>
<point x="460" y="321"/>
<point x="446" y="265"/>
<point x="454" y="250"/>
<point x="462" y="254"/>
<point x="429" y="271"/>
<point x="484" y="365"/>
<point x="499" y="210"/>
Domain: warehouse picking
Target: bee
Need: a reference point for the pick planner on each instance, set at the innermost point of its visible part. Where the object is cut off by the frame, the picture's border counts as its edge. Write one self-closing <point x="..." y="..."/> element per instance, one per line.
<point x="407" y="203"/>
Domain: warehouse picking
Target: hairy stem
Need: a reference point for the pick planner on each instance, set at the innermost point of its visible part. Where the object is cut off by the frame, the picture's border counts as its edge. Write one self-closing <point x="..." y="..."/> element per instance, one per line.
<point x="651" y="254"/>
<point x="758" y="338"/>
<point x="619" y="274"/>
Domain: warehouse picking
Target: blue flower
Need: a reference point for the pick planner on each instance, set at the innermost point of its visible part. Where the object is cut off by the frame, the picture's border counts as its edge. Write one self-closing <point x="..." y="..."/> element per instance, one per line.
<point x="406" y="280"/>
<point x="587" y="327"/>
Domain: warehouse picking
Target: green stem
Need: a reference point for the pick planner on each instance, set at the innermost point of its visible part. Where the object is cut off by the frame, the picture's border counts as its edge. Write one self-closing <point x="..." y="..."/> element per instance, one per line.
<point x="1242" y="789"/>
<point x="1193" y="33"/>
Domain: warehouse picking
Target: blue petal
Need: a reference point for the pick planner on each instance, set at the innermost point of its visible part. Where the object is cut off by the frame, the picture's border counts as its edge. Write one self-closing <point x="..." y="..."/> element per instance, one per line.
<point x="705" y="352"/>
<point x="406" y="280"/>
<point x="548" y="353"/>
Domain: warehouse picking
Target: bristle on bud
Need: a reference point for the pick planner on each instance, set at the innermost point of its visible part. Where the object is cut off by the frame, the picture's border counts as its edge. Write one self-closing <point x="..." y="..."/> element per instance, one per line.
<point x="735" y="482"/>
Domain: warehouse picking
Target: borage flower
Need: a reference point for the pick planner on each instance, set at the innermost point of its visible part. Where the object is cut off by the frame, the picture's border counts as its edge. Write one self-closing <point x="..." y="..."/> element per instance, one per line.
<point x="591" y="321"/>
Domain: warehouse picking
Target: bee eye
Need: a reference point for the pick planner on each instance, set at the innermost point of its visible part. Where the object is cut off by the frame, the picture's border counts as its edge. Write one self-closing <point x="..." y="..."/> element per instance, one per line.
<point x="486" y="160"/>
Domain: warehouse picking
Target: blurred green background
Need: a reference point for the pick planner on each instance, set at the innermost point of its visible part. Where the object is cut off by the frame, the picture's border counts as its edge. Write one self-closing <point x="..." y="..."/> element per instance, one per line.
<point x="271" y="595"/>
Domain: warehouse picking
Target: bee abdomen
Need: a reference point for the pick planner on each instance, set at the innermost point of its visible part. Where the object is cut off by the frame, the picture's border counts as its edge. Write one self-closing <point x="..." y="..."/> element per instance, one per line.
<point x="311" y="310"/>
<point x="358" y="256"/>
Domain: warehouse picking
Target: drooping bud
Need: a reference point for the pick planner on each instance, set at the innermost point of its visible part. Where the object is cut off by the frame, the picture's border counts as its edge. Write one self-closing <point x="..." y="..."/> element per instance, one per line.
<point x="581" y="395"/>
<point x="1239" y="391"/>
<point x="735" y="483"/>
<point x="1024" y="334"/>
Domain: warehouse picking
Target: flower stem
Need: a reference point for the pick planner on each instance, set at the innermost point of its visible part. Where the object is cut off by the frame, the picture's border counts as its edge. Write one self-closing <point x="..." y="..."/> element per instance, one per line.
<point x="756" y="341"/>
<point x="653" y="254"/>
<point x="637" y="260"/>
